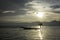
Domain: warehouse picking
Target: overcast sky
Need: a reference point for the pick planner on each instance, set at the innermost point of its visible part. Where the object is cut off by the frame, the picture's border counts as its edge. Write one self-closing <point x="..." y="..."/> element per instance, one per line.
<point x="23" y="10"/>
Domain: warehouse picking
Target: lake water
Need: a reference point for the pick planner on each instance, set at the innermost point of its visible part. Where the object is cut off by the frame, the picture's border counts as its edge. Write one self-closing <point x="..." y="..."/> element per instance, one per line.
<point x="44" y="33"/>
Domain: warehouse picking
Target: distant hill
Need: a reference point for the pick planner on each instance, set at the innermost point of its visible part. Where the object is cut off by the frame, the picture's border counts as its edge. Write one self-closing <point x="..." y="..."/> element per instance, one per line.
<point x="52" y="23"/>
<point x="16" y="25"/>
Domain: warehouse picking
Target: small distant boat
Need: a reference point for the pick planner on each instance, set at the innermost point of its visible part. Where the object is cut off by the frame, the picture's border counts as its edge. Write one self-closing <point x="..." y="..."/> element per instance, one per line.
<point x="31" y="28"/>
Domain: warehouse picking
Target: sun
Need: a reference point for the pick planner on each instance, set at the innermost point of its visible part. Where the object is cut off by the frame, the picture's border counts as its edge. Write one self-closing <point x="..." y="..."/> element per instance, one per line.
<point x="40" y="14"/>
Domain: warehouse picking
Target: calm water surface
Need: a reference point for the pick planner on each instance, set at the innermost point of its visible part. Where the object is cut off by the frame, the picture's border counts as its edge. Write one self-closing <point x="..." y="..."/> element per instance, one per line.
<point x="44" y="33"/>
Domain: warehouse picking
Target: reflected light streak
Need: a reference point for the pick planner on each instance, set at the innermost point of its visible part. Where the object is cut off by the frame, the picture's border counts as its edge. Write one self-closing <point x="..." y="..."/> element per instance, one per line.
<point x="40" y="33"/>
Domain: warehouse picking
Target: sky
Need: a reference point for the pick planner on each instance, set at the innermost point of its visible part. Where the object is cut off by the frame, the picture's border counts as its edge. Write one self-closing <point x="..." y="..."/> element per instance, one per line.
<point x="26" y="10"/>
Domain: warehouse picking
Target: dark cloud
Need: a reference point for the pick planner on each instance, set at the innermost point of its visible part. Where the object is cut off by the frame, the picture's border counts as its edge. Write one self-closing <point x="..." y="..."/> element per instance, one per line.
<point x="55" y="6"/>
<point x="13" y="14"/>
<point x="50" y="1"/>
<point x="15" y="5"/>
<point x="12" y="4"/>
<point x="56" y="12"/>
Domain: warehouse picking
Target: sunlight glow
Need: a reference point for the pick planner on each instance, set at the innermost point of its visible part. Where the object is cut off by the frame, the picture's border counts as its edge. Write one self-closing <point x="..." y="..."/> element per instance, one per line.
<point x="40" y="14"/>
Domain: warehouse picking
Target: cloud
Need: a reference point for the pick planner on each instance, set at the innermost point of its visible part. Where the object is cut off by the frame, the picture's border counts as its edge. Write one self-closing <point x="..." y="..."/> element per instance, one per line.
<point x="24" y="10"/>
<point x="12" y="13"/>
<point x="12" y="4"/>
<point x="56" y="12"/>
<point x="51" y="1"/>
<point x="19" y="18"/>
<point x="8" y="12"/>
<point x="55" y="6"/>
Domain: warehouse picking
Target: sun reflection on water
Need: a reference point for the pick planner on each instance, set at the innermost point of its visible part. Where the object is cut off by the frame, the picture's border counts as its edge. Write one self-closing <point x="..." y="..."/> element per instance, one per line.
<point x="40" y="33"/>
